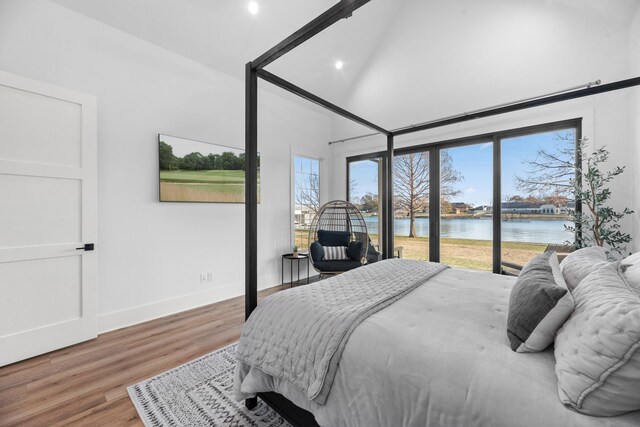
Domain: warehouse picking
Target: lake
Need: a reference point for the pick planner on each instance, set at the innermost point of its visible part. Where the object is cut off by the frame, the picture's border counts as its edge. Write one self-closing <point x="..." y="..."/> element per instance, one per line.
<point x="532" y="231"/>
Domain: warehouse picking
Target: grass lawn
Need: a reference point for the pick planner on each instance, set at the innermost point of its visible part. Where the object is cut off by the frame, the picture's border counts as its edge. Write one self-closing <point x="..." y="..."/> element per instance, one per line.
<point x="202" y="186"/>
<point x="210" y="176"/>
<point x="463" y="253"/>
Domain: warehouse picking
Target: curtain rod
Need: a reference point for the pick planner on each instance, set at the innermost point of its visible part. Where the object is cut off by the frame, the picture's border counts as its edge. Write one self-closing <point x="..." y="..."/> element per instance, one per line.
<point x="470" y="113"/>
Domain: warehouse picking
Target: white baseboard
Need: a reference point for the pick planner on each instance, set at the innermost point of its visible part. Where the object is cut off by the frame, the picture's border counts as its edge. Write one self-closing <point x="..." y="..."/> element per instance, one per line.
<point x="143" y="313"/>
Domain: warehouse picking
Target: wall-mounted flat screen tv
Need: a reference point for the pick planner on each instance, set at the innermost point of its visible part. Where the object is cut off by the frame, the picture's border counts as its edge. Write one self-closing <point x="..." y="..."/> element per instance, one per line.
<point x="196" y="171"/>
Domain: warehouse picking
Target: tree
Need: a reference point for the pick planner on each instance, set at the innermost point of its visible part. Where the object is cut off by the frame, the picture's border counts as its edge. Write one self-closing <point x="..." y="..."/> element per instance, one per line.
<point x="308" y="191"/>
<point x="229" y="161"/>
<point x="212" y="159"/>
<point x="598" y="224"/>
<point x="353" y="186"/>
<point x="191" y="162"/>
<point x="553" y="171"/>
<point x="411" y="183"/>
<point x="369" y="202"/>
<point x="167" y="159"/>
<point x="553" y="175"/>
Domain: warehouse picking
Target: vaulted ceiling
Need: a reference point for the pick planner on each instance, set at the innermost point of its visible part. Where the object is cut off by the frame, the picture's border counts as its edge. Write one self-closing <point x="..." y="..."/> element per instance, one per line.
<point x="222" y="34"/>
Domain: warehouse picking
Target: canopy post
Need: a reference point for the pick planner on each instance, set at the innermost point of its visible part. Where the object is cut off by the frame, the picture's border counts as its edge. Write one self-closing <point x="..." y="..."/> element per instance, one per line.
<point x="251" y="198"/>
<point x="388" y="200"/>
<point x="251" y="190"/>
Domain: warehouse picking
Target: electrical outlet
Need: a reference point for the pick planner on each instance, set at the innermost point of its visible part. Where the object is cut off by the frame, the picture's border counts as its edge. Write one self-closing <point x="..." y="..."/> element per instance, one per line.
<point x="203" y="277"/>
<point x="209" y="277"/>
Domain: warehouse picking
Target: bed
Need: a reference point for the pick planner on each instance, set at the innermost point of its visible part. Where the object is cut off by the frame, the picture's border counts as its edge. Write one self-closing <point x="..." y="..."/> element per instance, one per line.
<point x="437" y="356"/>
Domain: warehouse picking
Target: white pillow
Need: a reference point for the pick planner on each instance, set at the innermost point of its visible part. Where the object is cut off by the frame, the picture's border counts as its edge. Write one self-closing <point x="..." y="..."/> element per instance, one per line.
<point x="598" y="349"/>
<point x="577" y="265"/>
<point x="631" y="268"/>
<point x="334" y="253"/>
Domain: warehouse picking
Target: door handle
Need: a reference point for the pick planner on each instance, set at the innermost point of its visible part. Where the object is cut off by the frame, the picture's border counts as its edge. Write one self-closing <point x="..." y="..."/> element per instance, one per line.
<point x="86" y="247"/>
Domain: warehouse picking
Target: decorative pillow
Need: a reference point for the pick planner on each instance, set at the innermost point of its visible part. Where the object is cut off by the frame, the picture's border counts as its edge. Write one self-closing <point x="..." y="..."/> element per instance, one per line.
<point x="577" y="265"/>
<point x="354" y="251"/>
<point x="333" y="253"/>
<point x="631" y="267"/>
<point x="597" y="350"/>
<point x="539" y="305"/>
<point x="316" y="251"/>
<point x="334" y="238"/>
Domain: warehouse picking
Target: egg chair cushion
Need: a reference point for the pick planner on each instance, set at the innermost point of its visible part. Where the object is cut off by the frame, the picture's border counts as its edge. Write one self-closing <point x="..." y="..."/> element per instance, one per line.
<point x="334" y="238"/>
<point x="373" y="255"/>
<point x="337" y="266"/>
<point x="355" y="250"/>
<point x="317" y="252"/>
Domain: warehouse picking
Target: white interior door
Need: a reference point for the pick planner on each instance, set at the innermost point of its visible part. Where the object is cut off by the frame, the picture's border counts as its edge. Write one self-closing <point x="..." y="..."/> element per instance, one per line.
<point x="48" y="209"/>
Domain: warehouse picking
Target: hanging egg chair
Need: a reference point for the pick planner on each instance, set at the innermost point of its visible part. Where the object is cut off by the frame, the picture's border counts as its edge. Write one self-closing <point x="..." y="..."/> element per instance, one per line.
<point x="338" y="238"/>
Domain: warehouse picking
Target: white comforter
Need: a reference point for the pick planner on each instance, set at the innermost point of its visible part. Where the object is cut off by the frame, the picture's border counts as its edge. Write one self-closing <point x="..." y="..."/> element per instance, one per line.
<point x="440" y="357"/>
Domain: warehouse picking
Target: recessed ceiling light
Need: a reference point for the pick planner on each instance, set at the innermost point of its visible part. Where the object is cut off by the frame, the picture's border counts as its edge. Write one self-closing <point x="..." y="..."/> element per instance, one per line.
<point x="339" y="65"/>
<point x="253" y="7"/>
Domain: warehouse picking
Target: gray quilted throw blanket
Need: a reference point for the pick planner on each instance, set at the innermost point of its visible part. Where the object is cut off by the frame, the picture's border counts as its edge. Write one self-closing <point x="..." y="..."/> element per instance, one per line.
<point x="299" y="334"/>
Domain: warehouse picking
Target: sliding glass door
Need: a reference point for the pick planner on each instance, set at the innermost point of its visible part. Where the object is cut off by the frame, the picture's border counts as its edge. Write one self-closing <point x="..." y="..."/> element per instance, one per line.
<point x="489" y="202"/>
<point x="466" y="196"/>
<point x="411" y="184"/>
<point x="365" y="190"/>
<point x="537" y="200"/>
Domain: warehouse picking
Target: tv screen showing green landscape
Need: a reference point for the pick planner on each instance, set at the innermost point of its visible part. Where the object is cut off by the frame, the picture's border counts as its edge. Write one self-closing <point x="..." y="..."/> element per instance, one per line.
<point x="195" y="171"/>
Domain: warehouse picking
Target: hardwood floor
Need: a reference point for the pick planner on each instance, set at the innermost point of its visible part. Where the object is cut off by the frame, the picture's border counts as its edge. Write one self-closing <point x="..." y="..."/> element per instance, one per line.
<point x="86" y="384"/>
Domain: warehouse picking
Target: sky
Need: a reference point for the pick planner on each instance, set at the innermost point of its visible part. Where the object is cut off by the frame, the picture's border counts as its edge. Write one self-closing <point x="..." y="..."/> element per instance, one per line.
<point x="183" y="146"/>
<point x="474" y="162"/>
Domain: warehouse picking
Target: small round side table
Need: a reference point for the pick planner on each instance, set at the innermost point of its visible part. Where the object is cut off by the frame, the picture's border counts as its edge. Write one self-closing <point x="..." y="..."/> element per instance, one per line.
<point x="291" y="259"/>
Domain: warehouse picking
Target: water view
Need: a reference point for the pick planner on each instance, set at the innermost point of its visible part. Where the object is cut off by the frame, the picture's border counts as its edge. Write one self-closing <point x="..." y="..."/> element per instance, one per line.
<point x="531" y="231"/>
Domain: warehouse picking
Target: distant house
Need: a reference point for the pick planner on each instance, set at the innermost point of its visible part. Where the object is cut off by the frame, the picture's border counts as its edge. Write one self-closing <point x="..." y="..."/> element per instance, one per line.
<point x="303" y="215"/>
<point x="521" y="207"/>
<point x="460" y="208"/>
<point x="481" y="209"/>
<point x="549" y="209"/>
<point x="533" y="208"/>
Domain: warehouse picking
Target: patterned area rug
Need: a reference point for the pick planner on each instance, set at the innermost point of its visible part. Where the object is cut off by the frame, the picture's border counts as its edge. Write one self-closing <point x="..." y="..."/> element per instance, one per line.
<point x="199" y="393"/>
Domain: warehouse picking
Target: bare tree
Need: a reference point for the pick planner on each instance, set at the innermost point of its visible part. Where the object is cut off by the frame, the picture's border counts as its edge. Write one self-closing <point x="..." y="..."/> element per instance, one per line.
<point x="553" y="176"/>
<point x="308" y="193"/>
<point x="353" y="185"/>
<point x="552" y="172"/>
<point x="411" y="183"/>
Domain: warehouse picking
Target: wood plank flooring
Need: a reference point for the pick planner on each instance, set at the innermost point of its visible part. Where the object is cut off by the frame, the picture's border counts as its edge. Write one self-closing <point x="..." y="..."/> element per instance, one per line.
<point x="86" y="384"/>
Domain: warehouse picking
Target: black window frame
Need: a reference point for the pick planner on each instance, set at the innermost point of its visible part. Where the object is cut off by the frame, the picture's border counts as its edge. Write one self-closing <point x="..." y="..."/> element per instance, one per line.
<point x="434" y="149"/>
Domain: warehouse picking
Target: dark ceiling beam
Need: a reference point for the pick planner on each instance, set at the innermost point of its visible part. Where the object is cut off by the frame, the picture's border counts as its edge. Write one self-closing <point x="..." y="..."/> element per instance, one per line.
<point x="341" y="10"/>
<point x="290" y="87"/>
<point x="622" y="84"/>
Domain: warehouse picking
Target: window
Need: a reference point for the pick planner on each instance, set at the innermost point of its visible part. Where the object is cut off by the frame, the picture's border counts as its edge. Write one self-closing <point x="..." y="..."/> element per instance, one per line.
<point x="504" y="197"/>
<point x="306" y="197"/>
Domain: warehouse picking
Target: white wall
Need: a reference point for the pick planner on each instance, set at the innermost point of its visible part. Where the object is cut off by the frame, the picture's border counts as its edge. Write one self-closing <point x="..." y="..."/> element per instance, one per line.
<point x="634" y="55"/>
<point x="447" y="57"/>
<point x="150" y="254"/>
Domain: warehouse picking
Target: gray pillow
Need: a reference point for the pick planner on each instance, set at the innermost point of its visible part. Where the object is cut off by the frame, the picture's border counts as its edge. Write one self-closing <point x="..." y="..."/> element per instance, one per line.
<point x="631" y="268"/>
<point x="598" y="349"/>
<point x="539" y="305"/>
<point x="577" y="265"/>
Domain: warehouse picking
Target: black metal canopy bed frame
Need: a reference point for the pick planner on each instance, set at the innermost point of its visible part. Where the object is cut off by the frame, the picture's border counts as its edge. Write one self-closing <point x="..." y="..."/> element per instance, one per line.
<point x="255" y="69"/>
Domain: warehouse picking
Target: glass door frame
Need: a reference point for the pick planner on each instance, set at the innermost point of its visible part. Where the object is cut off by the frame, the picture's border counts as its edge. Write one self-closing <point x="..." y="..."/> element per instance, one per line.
<point x="383" y="226"/>
<point x="434" y="150"/>
<point x="434" y="177"/>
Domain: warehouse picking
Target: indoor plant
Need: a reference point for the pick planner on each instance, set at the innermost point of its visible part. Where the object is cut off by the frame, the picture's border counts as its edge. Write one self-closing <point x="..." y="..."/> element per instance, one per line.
<point x="597" y="224"/>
